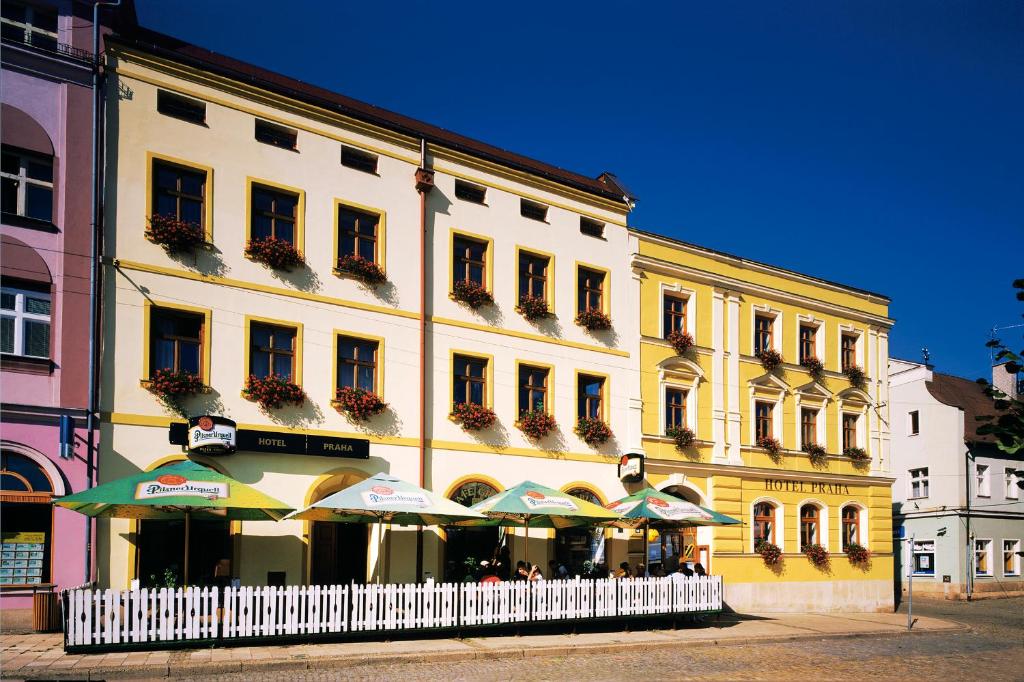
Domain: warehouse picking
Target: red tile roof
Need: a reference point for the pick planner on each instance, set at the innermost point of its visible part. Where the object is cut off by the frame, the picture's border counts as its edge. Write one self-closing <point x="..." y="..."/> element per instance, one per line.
<point x="968" y="396"/>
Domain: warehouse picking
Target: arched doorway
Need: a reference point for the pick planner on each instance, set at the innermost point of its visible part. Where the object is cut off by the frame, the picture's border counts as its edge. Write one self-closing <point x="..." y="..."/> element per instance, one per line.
<point x="465" y="548"/>
<point x="25" y="495"/>
<point x="682" y="546"/>
<point x="338" y="552"/>
<point x="580" y="549"/>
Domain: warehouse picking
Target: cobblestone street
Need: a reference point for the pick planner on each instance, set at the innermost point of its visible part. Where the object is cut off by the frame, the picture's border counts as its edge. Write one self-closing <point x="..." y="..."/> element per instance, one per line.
<point x="992" y="650"/>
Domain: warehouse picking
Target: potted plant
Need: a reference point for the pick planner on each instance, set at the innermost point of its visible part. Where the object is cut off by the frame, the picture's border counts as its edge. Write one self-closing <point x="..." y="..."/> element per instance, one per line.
<point x="814" y="366"/>
<point x="770" y="358"/>
<point x="273" y="252"/>
<point x="680" y="340"/>
<point x="473" y="417"/>
<point x="683" y="436"/>
<point x="859" y="555"/>
<point x="171" y="385"/>
<point x="358" y="403"/>
<point x="536" y="424"/>
<point x="857" y="454"/>
<point x="272" y="392"/>
<point x="856" y="376"/>
<point x="816" y="453"/>
<point x="817" y="554"/>
<point x="593" y="319"/>
<point x="592" y="431"/>
<point x="533" y="307"/>
<point x="471" y="294"/>
<point x="770" y="553"/>
<point x="771" y="446"/>
<point x="365" y="270"/>
<point x="173" y="233"/>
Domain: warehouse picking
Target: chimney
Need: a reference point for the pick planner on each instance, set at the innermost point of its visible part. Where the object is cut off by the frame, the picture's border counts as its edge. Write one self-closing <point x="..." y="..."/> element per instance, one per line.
<point x="1005" y="381"/>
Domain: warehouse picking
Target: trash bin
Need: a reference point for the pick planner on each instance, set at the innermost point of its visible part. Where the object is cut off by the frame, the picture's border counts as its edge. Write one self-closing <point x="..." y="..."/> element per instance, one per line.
<point x="46" y="610"/>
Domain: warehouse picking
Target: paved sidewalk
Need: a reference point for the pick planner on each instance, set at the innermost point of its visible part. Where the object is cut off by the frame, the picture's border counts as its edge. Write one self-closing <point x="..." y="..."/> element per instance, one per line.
<point x="42" y="656"/>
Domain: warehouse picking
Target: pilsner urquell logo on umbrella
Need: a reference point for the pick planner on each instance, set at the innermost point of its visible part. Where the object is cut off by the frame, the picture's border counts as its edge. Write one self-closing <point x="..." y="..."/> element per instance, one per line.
<point x="381" y="495"/>
<point x="173" y="485"/>
<point x="538" y="500"/>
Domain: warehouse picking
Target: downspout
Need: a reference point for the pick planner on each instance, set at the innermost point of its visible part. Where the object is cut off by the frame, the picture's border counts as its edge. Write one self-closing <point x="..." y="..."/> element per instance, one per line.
<point x="94" y="307"/>
<point x="424" y="183"/>
<point x="969" y="566"/>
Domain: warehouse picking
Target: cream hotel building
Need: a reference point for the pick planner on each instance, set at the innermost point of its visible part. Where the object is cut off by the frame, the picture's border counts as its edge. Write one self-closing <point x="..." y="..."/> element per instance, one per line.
<point x="246" y="154"/>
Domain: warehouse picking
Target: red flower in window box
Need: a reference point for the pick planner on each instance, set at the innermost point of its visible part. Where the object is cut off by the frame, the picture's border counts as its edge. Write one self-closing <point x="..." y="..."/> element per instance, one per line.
<point x="279" y="254"/>
<point x="817" y="554"/>
<point x="856" y="376"/>
<point x="771" y="446"/>
<point x="593" y="320"/>
<point x="816" y="453"/>
<point x="770" y="553"/>
<point x="683" y="436"/>
<point x="536" y="424"/>
<point x="814" y="366"/>
<point x="592" y="431"/>
<point x="358" y="403"/>
<point x="273" y="392"/>
<point x="770" y="358"/>
<point x="169" y="384"/>
<point x="680" y="340"/>
<point x="857" y="454"/>
<point x="365" y="270"/>
<point x="473" y="417"/>
<point x="471" y="293"/>
<point x="533" y="307"/>
<point x="859" y="555"/>
<point x="174" y="234"/>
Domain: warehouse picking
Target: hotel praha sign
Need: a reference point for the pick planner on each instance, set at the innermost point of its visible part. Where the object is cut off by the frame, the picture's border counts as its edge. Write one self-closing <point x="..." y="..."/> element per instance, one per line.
<point x="822" y="488"/>
<point x="211" y="438"/>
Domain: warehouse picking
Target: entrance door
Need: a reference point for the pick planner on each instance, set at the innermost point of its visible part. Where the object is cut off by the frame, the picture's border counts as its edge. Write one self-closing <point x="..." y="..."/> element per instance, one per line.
<point x="161" y="547"/>
<point x="339" y="553"/>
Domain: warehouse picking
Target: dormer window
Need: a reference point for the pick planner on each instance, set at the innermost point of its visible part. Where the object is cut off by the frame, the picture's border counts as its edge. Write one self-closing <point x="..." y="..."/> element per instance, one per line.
<point x="184" y="108"/>
<point x="358" y="159"/>
<point x="467" y="191"/>
<point x="276" y="135"/>
<point x="533" y="210"/>
<point x="592" y="228"/>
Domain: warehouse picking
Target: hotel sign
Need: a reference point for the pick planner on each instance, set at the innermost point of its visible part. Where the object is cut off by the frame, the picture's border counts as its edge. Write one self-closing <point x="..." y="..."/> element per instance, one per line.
<point x="782" y="485"/>
<point x="252" y="440"/>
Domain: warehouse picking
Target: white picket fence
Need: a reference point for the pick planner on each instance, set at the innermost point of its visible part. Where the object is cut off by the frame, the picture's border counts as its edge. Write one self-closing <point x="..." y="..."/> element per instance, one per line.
<point x="117" y="617"/>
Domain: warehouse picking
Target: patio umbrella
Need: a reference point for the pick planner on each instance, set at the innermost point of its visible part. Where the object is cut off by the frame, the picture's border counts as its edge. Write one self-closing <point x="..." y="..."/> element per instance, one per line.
<point x="179" y="491"/>
<point x="382" y="497"/>
<point x="532" y="505"/>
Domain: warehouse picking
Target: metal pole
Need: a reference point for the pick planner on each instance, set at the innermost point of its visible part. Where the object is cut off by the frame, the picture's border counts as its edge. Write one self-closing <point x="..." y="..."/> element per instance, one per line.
<point x="969" y="550"/>
<point x="188" y="529"/>
<point x="910" y="585"/>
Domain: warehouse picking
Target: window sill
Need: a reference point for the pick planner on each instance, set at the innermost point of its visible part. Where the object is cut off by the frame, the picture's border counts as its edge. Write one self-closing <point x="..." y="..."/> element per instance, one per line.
<point x="146" y="383"/>
<point x="345" y="274"/>
<point x="15" y="220"/>
<point x="26" y="365"/>
<point x="546" y="316"/>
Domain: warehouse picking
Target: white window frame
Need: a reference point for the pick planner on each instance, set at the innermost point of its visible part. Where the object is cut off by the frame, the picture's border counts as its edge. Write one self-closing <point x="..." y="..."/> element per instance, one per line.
<point x="859" y="425"/>
<point x="922" y="479"/>
<point x="1016" y="557"/>
<point x="776" y="416"/>
<point x="819" y="423"/>
<point x="777" y="328"/>
<point x="690" y="402"/>
<point x="690" y="297"/>
<point x="914" y="552"/>
<point x="819" y="336"/>
<point x="1010" y="489"/>
<point x="987" y="544"/>
<point x="858" y="347"/>
<point x="20" y="316"/>
<point x="823" y="524"/>
<point x="23" y="180"/>
<point x="983" y="479"/>
<point x="29" y="24"/>
<point x="780" y="521"/>
<point x="910" y="423"/>
<point x="862" y="522"/>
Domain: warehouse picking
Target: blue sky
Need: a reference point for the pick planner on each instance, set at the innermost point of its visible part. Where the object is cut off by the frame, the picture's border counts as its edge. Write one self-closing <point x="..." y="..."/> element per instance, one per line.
<point x="874" y="143"/>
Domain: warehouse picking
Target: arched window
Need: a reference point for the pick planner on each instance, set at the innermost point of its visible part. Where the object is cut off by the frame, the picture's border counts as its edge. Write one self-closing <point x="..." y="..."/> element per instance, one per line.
<point x="585" y="494"/>
<point x="471" y="492"/>
<point x="25" y="495"/>
<point x="764" y="523"/>
<point x="465" y="548"/>
<point x="810" y="525"/>
<point x="851" y="526"/>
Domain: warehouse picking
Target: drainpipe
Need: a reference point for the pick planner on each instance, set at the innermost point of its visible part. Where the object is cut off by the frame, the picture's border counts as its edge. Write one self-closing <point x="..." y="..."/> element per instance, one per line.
<point x="970" y="543"/>
<point x="424" y="183"/>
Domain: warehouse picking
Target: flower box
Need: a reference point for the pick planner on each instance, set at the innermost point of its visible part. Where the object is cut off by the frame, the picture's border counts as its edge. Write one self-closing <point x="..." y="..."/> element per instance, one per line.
<point x="358" y="403"/>
<point x="592" y="431"/>
<point x="816" y="453"/>
<point x="593" y="320"/>
<point x="172" y="385"/>
<point x="174" y="234"/>
<point x="536" y="424"/>
<point x="817" y="554"/>
<point x="471" y="294"/>
<point x="770" y="553"/>
<point x="857" y="454"/>
<point x="533" y="307"/>
<point x="473" y="417"/>
<point x="366" y="271"/>
<point x="680" y="340"/>
<point x="859" y="555"/>
<point x="683" y="436"/>
<point x="856" y="376"/>
<point x="273" y="392"/>
<point x="771" y="446"/>
<point x="814" y="366"/>
<point x="770" y="358"/>
<point x="279" y="254"/>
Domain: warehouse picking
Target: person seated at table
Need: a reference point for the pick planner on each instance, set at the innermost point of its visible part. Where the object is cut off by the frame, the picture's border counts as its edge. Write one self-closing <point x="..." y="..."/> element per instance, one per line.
<point x="641" y="571"/>
<point x="490" y="575"/>
<point x="535" y="573"/>
<point x="504" y="562"/>
<point x="686" y="570"/>
<point x="624" y="571"/>
<point x="656" y="571"/>
<point x="672" y="563"/>
<point x="557" y="570"/>
<point x="521" y="571"/>
<point x="699" y="570"/>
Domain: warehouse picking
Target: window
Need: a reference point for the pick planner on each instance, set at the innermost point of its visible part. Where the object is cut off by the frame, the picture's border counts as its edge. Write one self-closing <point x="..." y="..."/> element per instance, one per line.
<point x="850" y="517"/>
<point x="533" y="389"/>
<point x="533" y="210"/>
<point x="273" y="213"/>
<point x="915" y="423"/>
<point x="185" y="108"/>
<point x="28" y="24"/>
<point x="179" y="192"/>
<point x="470" y="256"/>
<point x="592" y="228"/>
<point x="276" y="135"/>
<point x="589" y="290"/>
<point x="589" y="397"/>
<point x="675" y="408"/>
<point x="849" y="431"/>
<point x="272" y="350"/>
<point x="808" y="426"/>
<point x="467" y="191"/>
<point x="25" y="322"/>
<point x="673" y="314"/>
<point x="763" y="420"/>
<point x="919" y="483"/>
<point x="358" y="159"/>
<point x="809" y="525"/>
<point x="533" y="275"/>
<point x="981" y="478"/>
<point x="25" y="504"/>
<point x="358" y="233"/>
<point x="470" y="380"/>
<point x="924" y="557"/>
<point x="357" y="363"/>
<point x="1011" y="490"/>
<point x="982" y="557"/>
<point x="848" y="351"/>
<point x="27" y="184"/>
<point x="764" y="523"/>
<point x="1011" y="557"/>
<point x="763" y="333"/>
<point x="176" y="341"/>
<point x="808" y="349"/>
